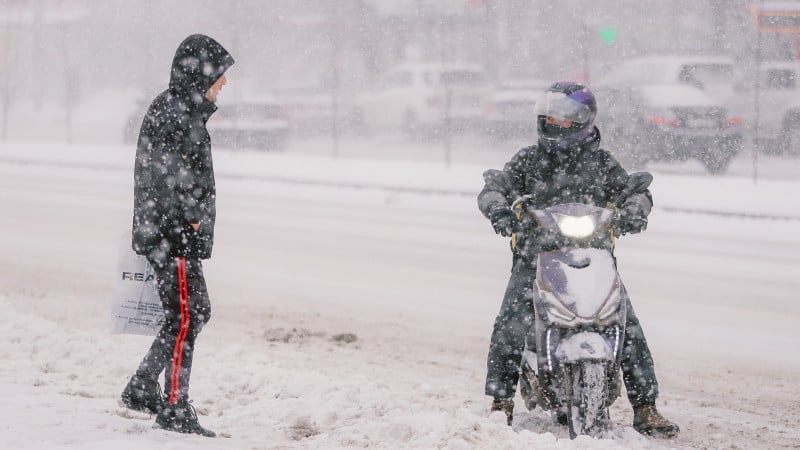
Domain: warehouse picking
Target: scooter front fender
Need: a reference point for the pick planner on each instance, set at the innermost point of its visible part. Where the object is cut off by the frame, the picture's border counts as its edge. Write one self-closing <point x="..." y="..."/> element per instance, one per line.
<point x="584" y="345"/>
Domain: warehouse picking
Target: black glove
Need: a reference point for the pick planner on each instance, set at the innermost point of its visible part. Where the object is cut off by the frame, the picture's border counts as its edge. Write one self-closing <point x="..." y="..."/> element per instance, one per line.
<point x="629" y="222"/>
<point x="503" y="221"/>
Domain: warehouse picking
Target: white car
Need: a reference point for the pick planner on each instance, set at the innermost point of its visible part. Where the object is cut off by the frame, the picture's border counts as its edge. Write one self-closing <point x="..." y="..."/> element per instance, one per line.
<point x="314" y="110"/>
<point x="667" y="122"/>
<point x="714" y="75"/>
<point x="703" y="72"/>
<point x="257" y="122"/>
<point x="509" y="109"/>
<point x="423" y="97"/>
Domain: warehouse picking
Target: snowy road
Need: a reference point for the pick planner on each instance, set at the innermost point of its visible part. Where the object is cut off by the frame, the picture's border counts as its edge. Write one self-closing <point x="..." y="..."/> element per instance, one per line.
<point x="418" y="278"/>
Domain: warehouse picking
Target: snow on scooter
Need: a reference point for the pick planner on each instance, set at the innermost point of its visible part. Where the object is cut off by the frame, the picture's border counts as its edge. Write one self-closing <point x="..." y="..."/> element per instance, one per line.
<point x="571" y="362"/>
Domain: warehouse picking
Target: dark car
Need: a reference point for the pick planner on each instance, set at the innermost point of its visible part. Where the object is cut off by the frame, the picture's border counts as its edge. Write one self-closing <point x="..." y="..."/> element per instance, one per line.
<point x="253" y="123"/>
<point x="669" y="122"/>
<point x="509" y="110"/>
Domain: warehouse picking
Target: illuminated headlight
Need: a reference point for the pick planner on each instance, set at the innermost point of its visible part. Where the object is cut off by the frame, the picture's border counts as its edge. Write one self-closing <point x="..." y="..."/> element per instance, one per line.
<point x="576" y="227"/>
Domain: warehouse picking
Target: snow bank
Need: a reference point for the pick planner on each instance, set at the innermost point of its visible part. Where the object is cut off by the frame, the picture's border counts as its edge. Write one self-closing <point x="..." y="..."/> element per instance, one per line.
<point x="286" y="387"/>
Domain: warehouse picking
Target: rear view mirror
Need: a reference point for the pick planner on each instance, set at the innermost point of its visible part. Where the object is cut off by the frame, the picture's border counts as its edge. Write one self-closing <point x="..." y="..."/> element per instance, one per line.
<point x="637" y="182"/>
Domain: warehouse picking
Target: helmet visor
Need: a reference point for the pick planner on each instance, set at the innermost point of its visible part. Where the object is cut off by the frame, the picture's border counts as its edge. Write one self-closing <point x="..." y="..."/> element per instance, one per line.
<point x="560" y="106"/>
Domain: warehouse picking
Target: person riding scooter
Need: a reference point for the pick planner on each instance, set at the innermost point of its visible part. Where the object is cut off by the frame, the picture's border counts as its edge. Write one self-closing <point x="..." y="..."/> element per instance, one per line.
<point x="566" y="166"/>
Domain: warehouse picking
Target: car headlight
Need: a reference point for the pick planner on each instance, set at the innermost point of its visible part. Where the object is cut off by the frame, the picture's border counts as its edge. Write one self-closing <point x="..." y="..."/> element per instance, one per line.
<point x="576" y="227"/>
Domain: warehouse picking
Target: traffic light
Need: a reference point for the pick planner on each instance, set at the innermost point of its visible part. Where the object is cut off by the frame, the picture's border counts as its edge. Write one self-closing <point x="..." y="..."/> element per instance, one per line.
<point x="608" y="35"/>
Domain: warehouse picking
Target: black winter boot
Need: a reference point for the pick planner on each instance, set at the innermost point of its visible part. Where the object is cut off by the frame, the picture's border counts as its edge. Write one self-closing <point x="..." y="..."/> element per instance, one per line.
<point x="143" y="394"/>
<point x="181" y="418"/>
<point x="505" y="405"/>
<point x="648" y="421"/>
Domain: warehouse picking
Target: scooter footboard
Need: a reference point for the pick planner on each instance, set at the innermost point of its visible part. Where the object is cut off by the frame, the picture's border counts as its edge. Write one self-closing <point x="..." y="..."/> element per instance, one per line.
<point x="585" y="345"/>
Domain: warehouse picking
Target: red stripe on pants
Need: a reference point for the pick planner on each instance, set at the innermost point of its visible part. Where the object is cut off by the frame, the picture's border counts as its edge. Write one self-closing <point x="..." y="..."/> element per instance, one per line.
<point x="177" y="352"/>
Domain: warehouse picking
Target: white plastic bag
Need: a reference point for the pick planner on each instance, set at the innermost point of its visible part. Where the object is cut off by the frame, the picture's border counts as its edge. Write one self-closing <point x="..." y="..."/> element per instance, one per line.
<point x="135" y="304"/>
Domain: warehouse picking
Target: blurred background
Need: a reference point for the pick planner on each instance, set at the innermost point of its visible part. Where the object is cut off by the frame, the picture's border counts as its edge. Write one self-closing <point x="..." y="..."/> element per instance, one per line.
<point x="699" y="85"/>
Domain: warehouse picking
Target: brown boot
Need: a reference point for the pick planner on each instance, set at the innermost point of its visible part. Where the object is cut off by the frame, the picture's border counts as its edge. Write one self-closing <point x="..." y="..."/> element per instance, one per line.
<point x="648" y="421"/>
<point x="507" y="406"/>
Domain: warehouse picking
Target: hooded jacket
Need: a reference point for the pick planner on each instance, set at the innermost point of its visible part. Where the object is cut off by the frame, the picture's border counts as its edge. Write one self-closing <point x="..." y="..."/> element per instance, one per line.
<point x="581" y="174"/>
<point x="174" y="175"/>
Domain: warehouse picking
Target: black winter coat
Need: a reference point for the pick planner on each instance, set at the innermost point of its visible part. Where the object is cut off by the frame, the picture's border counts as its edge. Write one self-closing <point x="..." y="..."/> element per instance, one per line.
<point x="174" y="174"/>
<point x="584" y="174"/>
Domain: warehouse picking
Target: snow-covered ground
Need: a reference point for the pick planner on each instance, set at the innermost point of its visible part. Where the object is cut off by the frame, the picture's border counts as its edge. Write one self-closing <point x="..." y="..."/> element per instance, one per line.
<point x="396" y="253"/>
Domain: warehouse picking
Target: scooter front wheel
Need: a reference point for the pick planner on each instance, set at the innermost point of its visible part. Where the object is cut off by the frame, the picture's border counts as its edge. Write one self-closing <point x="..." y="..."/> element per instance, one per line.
<point x="587" y="413"/>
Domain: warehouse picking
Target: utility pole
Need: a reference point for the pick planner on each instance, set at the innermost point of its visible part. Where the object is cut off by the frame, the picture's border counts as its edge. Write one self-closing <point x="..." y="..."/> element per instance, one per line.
<point x="336" y="61"/>
<point x="148" y="49"/>
<point x="719" y="23"/>
<point x="70" y="84"/>
<point x="5" y="75"/>
<point x="39" y="49"/>
<point x="757" y="105"/>
<point x="448" y="94"/>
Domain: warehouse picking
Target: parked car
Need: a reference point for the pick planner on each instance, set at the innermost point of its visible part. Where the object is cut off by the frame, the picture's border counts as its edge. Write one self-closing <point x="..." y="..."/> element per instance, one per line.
<point x="421" y="97"/>
<point x="714" y="75"/>
<point x="260" y="123"/>
<point x="509" y="110"/>
<point x="313" y="110"/>
<point x="667" y="122"/>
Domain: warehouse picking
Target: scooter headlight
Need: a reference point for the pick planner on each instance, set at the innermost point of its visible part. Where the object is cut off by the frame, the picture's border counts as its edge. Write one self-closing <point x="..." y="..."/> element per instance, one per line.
<point x="576" y="227"/>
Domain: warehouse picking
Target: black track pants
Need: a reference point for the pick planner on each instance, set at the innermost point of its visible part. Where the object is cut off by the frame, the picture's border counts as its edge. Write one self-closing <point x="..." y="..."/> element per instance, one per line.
<point x="514" y="322"/>
<point x="187" y="308"/>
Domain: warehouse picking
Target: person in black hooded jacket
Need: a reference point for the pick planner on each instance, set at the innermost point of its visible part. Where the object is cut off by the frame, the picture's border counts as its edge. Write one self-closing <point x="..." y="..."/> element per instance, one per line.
<point x="567" y="166"/>
<point x="173" y="225"/>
